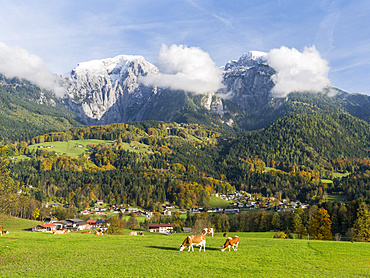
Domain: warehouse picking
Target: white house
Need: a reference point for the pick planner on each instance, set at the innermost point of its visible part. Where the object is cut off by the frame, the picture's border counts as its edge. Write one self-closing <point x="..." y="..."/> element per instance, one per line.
<point x="162" y="228"/>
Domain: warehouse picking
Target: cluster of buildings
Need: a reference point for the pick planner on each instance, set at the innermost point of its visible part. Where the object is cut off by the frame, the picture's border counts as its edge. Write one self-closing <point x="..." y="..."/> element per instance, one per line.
<point x="245" y="200"/>
<point x="53" y="224"/>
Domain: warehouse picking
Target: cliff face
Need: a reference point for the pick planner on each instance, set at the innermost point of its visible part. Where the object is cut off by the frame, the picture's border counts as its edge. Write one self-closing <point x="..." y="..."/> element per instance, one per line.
<point x="107" y="91"/>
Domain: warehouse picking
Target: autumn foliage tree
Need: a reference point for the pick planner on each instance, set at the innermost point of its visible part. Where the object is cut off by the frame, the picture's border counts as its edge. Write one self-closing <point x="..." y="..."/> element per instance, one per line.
<point x="8" y="187"/>
<point x="362" y="223"/>
<point x="320" y="226"/>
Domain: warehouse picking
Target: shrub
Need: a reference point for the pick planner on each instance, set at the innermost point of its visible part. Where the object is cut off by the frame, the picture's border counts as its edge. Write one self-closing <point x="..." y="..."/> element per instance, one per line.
<point x="280" y="235"/>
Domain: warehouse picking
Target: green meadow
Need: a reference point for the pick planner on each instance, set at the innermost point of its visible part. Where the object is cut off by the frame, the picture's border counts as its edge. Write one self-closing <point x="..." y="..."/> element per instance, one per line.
<point x="27" y="254"/>
<point x="217" y="202"/>
<point x="75" y="148"/>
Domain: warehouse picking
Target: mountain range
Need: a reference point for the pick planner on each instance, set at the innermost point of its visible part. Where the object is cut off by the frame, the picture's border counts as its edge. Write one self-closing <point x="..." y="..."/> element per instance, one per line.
<point x="109" y="91"/>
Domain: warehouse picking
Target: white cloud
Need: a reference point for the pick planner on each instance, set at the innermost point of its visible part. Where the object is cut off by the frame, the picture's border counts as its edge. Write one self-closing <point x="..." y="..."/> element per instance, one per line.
<point x="183" y="68"/>
<point x="18" y="62"/>
<point x="298" y="71"/>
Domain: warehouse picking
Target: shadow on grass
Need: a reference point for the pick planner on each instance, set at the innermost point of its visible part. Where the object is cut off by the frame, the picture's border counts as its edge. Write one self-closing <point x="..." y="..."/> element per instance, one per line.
<point x="165" y="248"/>
<point x="186" y="249"/>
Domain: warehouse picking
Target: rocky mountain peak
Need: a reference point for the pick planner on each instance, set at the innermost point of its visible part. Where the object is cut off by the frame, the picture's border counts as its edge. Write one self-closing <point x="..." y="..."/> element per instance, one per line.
<point x="247" y="60"/>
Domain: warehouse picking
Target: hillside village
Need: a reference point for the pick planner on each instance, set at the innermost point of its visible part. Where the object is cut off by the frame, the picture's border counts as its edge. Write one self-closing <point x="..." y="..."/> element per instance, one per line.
<point x="239" y="201"/>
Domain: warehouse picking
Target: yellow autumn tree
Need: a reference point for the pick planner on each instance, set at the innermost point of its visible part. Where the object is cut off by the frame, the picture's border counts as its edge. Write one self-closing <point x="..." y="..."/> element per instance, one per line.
<point x="320" y="226"/>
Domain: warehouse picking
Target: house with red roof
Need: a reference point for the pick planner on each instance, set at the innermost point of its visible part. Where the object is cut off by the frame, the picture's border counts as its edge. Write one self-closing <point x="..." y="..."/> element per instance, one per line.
<point x="45" y="228"/>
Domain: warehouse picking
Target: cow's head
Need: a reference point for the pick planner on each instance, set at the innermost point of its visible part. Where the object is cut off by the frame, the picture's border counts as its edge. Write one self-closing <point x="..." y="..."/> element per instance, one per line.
<point x="182" y="247"/>
<point x="223" y="248"/>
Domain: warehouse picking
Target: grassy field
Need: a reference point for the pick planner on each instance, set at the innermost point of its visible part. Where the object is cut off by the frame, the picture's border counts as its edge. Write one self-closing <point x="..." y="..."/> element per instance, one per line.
<point x="75" y="148"/>
<point x="27" y="254"/>
<point x="217" y="202"/>
<point x="326" y="181"/>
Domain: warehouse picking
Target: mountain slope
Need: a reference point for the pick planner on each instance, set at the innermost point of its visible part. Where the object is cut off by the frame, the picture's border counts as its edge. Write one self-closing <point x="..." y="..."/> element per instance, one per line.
<point x="306" y="139"/>
<point x="27" y="111"/>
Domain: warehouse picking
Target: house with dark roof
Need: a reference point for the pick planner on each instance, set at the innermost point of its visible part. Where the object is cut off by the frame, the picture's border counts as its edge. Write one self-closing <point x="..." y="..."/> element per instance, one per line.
<point x="82" y="226"/>
<point x="100" y="222"/>
<point x="50" y="218"/>
<point x="62" y="224"/>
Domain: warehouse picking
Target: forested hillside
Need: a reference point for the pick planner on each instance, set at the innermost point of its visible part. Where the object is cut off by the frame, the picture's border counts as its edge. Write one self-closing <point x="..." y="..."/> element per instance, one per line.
<point x="305" y="139"/>
<point x="27" y="111"/>
<point x="185" y="163"/>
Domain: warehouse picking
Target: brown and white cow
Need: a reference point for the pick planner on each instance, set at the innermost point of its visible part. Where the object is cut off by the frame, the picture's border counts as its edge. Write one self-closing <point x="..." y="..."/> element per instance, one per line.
<point x="101" y="231"/>
<point x="3" y="232"/>
<point x="98" y="233"/>
<point x="132" y="234"/>
<point x="59" y="232"/>
<point x="198" y="240"/>
<point x="231" y="242"/>
<point x="208" y="231"/>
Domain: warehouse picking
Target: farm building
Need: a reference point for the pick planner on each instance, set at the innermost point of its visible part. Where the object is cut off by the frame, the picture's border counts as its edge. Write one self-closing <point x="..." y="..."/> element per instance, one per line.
<point x="92" y="223"/>
<point x="62" y="224"/>
<point x="234" y="210"/>
<point x="45" y="228"/>
<point x="162" y="228"/>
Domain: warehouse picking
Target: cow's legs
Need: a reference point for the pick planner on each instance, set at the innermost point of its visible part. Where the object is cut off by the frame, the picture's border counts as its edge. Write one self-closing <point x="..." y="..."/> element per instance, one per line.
<point x="236" y="247"/>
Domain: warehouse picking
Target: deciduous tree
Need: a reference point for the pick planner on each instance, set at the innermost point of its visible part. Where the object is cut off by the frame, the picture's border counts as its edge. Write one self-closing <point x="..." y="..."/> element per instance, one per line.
<point x="320" y="226"/>
<point x="362" y="223"/>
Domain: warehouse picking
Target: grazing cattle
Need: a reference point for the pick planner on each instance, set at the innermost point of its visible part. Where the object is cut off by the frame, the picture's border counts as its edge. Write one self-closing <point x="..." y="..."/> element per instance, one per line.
<point x="132" y="234"/>
<point x="198" y="240"/>
<point x="3" y="232"/>
<point x="59" y="232"/>
<point x="101" y="230"/>
<point x="225" y="234"/>
<point x="87" y="232"/>
<point x="99" y="233"/>
<point x="208" y="231"/>
<point x="141" y="233"/>
<point x="231" y="242"/>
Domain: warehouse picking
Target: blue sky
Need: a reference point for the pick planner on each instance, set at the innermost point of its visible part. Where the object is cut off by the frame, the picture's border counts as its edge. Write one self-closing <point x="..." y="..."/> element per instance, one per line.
<point x="64" y="33"/>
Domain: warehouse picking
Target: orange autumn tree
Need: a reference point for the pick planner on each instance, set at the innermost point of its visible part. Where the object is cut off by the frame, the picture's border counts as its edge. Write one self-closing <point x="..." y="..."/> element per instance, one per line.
<point x="320" y="226"/>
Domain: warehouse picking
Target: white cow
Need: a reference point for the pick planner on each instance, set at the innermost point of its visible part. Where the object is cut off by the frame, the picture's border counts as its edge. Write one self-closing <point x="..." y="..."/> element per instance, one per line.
<point x="198" y="240"/>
